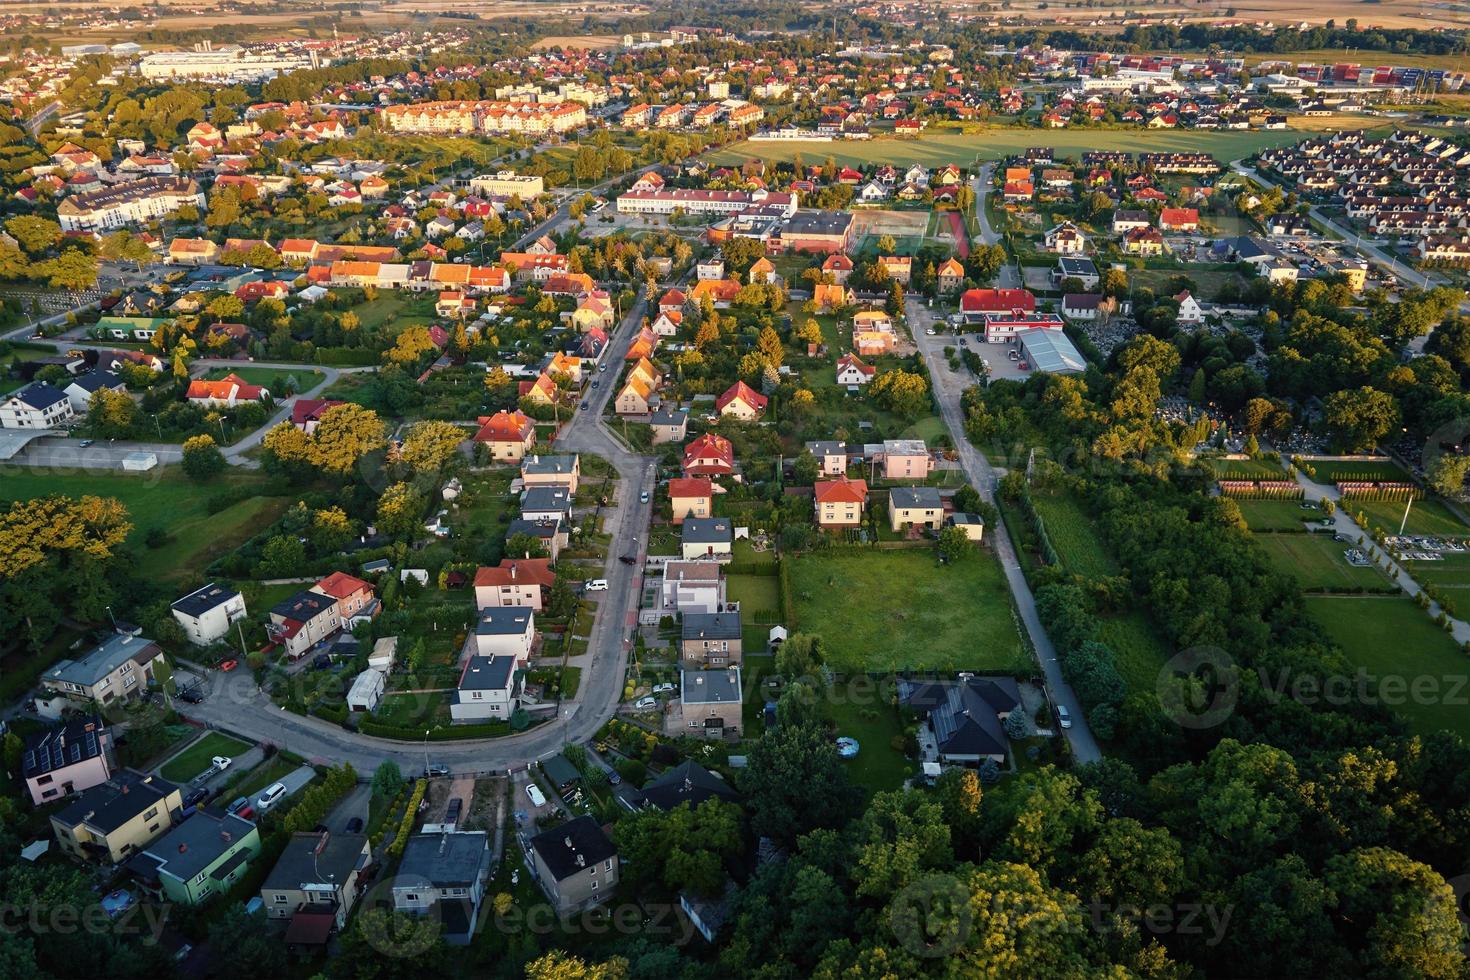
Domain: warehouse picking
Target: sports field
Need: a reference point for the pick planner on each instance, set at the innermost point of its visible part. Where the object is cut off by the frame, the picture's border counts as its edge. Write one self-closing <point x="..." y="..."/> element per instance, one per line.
<point x="1317" y="562"/>
<point x="995" y="143"/>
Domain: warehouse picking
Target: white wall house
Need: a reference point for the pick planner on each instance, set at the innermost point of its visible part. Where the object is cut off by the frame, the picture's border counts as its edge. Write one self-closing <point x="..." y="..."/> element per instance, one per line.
<point x="207" y="613"/>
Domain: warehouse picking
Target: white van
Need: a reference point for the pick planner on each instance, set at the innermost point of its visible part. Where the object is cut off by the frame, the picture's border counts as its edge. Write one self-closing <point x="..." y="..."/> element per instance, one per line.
<point x="537" y="797"/>
<point x="270" y="797"/>
<point x="596" y="585"/>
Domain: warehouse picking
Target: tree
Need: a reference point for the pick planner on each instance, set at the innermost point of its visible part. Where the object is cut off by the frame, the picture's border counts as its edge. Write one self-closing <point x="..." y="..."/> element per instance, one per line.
<point x="557" y="965"/>
<point x="112" y="414"/>
<point x="226" y="307"/>
<point x="794" y="783"/>
<point x="805" y="469"/>
<point x="429" y="445"/>
<point x="399" y="511"/>
<point x="72" y="270"/>
<point x="283" y="556"/>
<point x="124" y="246"/>
<point x="680" y="849"/>
<point x="202" y="458"/>
<point x="33" y="233"/>
<point x="331" y="529"/>
<point x="902" y="392"/>
<point x="1447" y="475"/>
<point x="799" y="657"/>
<point x="497" y="383"/>
<point x="345" y="434"/>
<point x="253" y="949"/>
<point x="411" y="345"/>
<point x="388" y="780"/>
<point x="1402" y="916"/>
<point x="1359" y="418"/>
<point x="955" y="544"/>
<point x="31" y="530"/>
<point x="770" y="346"/>
<point x="810" y="332"/>
<point x="886" y="244"/>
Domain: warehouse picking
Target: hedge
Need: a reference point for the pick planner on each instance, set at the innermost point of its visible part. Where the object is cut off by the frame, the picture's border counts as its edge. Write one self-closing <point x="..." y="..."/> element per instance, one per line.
<point x="441" y="733"/>
<point x="318" y="801"/>
<point x="406" y="826"/>
<point x="347" y="357"/>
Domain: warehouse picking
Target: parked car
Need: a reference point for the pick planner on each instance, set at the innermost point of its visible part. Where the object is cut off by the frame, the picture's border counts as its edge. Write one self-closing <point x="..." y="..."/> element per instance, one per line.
<point x="595" y="585"/>
<point x="272" y="795"/>
<point x="191" y="695"/>
<point x="595" y="382"/>
<point x="437" y="769"/>
<point x="85" y="443"/>
<point x="242" y="808"/>
<point x="612" y="776"/>
<point x="322" y="662"/>
<point x="222" y="762"/>
<point x="582" y="407"/>
<point x="643" y="497"/>
<point x="354" y="826"/>
<point x="646" y="702"/>
<point x="627" y="559"/>
<point x="229" y="665"/>
<point x="1064" y="717"/>
<point x="601" y="368"/>
<point x="456" y="806"/>
<point x="538" y="798"/>
<point x="196" y="797"/>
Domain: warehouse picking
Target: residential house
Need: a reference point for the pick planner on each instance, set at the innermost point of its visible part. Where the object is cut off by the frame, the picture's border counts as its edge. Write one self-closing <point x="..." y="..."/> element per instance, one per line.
<point x="1179" y="219"/>
<point x="710" y="639"/>
<point x="306" y="413"/>
<point x="551" y="535"/>
<point x="831" y="296"/>
<point x="710" y="704"/>
<point x="315" y="884"/>
<point x="972" y="524"/>
<point x="355" y="598"/>
<point x="1190" y="312"/>
<point x="507" y="631"/>
<point x="687" y="783"/>
<point x="206" y="614"/>
<point x="690" y="497"/>
<point x="707" y="537"/>
<point x="906" y="459"/>
<point x="489" y="688"/>
<point x="966" y="718"/>
<point x="709" y="455"/>
<point x="1085" y="307"/>
<point x="839" y="503"/>
<point x="302" y="621"/>
<point x="559" y="471"/>
<point x="742" y="402"/>
<point x="79" y="390"/>
<point x="197" y="859"/>
<point x="69" y="758"/>
<point x="839" y="267"/>
<point x="670" y="424"/>
<point x="1143" y="241"/>
<point x="635" y="398"/>
<point x="872" y="332"/>
<point x="1128" y="220"/>
<point x="900" y="268"/>
<point x="691" y="587"/>
<point x="122" y="666"/>
<point x="575" y="863"/>
<point x="831" y="456"/>
<point x="36" y="406"/>
<point x="546" y="502"/>
<point x="229" y="391"/>
<point x="445" y="874"/>
<point x="515" y="582"/>
<point x="1066" y="239"/>
<point x="910" y="507"/>
<point x="112" y="820"/>
<point x="1084" y="270"/>
<point x="975" y="303"/>
<point x="510" y="435"/>
<point x="950" y="275"/>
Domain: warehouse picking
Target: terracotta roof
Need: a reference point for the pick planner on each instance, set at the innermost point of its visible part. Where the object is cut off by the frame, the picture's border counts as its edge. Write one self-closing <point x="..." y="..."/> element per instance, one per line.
<point x="841" y="490"/>
<point x="504" y="427"/>
<point x="744" y="392"/>
<point x="340" y="585"/>
<point x="537" y="571"/>
<point x="693" y="486"/>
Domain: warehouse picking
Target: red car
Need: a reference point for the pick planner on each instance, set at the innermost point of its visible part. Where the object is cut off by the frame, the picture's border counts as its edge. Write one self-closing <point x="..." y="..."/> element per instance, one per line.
<point x="229" y="665"/>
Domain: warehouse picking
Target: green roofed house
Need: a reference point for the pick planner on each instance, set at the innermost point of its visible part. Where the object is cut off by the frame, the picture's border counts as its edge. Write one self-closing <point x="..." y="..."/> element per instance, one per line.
<point x="128" y="327"/>
<point x="202" y="856"/>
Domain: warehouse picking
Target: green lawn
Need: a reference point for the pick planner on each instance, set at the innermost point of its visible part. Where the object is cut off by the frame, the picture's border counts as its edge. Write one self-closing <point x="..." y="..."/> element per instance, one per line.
<point x="1425" y="517"/>
<point x="1276" y="515"/>
<point x="393" y="312"/>
<point x="272" y="378"/>
<point x="1137" y="650"/>
<point x="196" y="758"/>
<point x="1317" y="562"/>
<point x="994" y="143"/>
<point x="1453" y="574"/>
<point x="755" y="593"/>
<point x="1073" y="536"/>
<point x="1388" y="636"/>
<point x="878" y="766"/>
<point x="1246" y="469"/>
<point x="263" y="775"/>
<point x="409" y="710"/>
<point x="163" y="498"/>
<point x="1335" y="470"/>
<point x="901" y="610"/>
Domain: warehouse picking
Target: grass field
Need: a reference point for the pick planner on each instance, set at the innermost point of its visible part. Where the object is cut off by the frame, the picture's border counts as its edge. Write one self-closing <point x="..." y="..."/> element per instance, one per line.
<point x="273" y="379"/>
<point x="196" y="758"/>
<point x="902" y="610"/>
<point x="1246" y="469"/>
<point x="995" y="143"/>
<point x="1425" y="517"/>
<point x="1451" y="574"/>
<point x="1388" y="636"/>
<point x="1317" y="562"/>
<point x="1333" y="470"/>
<point x="1276" y="515"/>
<point x="1137" y="650"/>
<point x="263" y="775"/>
<point x="1072" y="534"/>
<point x="164" y="499"/>
<point x="755" y="593"/>
<point x="878" y="766"/>
<point x="390" y="310"/>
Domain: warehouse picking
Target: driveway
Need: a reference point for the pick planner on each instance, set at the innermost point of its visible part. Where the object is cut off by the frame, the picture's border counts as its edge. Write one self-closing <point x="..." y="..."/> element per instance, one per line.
<point x="355" y="804"/>
<point x="948" y="387"/>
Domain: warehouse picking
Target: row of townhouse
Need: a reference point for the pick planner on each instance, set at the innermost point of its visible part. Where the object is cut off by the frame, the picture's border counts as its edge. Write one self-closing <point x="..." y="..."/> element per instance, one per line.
<point x="464" y="118"/>
<point x="130" y="203"/>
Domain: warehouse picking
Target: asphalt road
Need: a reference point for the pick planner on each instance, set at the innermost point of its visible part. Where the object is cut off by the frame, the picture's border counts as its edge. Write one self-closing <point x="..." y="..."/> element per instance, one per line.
<point x="234" y="703"/>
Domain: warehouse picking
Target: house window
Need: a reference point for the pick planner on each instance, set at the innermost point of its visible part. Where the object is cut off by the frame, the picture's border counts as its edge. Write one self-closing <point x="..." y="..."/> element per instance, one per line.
<point x="594" y="886"/>
<point x="151" y="814"/>
<point x="694" y="724"/>
<point x="410" y="898"/>
<point x="280" y="898"/>
<point x="608" y="866"/>
<point x="43" y="780"/>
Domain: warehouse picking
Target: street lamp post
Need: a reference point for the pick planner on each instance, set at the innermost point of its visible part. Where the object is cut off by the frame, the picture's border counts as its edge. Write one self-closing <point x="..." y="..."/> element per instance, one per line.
<point x="426" y="751"/>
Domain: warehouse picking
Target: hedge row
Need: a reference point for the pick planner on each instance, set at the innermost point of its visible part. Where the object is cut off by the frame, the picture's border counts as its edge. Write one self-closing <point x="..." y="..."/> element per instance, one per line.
<point x="317" y="801"/>
<point x="406" y="826"/>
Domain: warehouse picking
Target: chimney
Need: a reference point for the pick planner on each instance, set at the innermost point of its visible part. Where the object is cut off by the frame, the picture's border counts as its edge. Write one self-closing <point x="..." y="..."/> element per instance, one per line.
<point x="224" y="835"/>
<point x="321" y="844"/>
<point x="567" y="841"/>
<point x="183" y="848"/>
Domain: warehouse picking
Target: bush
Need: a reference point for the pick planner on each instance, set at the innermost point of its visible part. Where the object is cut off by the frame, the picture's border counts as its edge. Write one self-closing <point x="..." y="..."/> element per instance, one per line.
<point x="406" y="826"/>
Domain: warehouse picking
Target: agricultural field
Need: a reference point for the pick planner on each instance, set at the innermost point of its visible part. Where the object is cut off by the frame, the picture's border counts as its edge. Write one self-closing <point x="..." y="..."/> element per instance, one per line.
<point x="995" y="143"/>
<point x="163" y="499"/>
<point x="1276" y="515"/>
<point x="1389" y="636"/>
<point x="1335" y="470"/>
<point x="1073" y="536"/>
<point x="887" y="610"/>
<point x="1317" y="562"/>
<point x="1425" y="517"/>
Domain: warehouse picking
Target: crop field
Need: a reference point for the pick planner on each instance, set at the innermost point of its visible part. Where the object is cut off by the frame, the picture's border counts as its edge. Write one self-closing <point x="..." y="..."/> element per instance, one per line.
<point x="1389" y="636"/>
<point x="1317" y="562"/>
<point x="995" y="143"/>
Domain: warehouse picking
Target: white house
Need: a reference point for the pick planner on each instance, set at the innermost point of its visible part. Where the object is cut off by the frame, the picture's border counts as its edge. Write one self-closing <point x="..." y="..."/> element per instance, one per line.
<point x="36" y="406"/>
<point x="872" y="192"/>
<point x="367" y="691"/>
<point x="706" y="537"/>
<point x="506" y="631"/>
<point x="207" y="613"/>
<point x="488" y="689"/>
<point x="1066" y="239"/>
<point x="1189" y="309"/>
<point x="80" y="389"/>
<point x="691" y="586"/>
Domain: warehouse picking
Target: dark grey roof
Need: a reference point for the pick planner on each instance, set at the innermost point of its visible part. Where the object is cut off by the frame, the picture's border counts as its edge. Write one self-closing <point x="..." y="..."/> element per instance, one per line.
<point x="304" y="606"/>
<point x="707" y="530"/>
<point x="927" y="497"/>
<point x="446" y="860"/>
<point x="78" y="740"/>
<point x="562" y="847"/>
<point x="504" y="620"/>
<point x="960" y="517"/>
<point x="965" y="715"/>
<point x="541" y="499"/>
<point x="196" y="843"/>
<point x="487" y="673"/>
<point x="94" y="381"/>
<point x="1071" y="266"/>
<point x="1131" y="215"/>
<point x="198" y="603"/>
<point x="549" y="465"/>
<point x="667" y="414"/>
<point x="711" y="686"/>
<point x="107" y="806"/>
<point x="40" y="395"/>
<point x="827" y="447"/>
<point x="545" y="530"/>
<point x="806" y="222"/>
<point x="712" y="626"/>
<point x="559" y="770"/>
<point x="300" y="863"/>
<point x="688" y="782"/>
